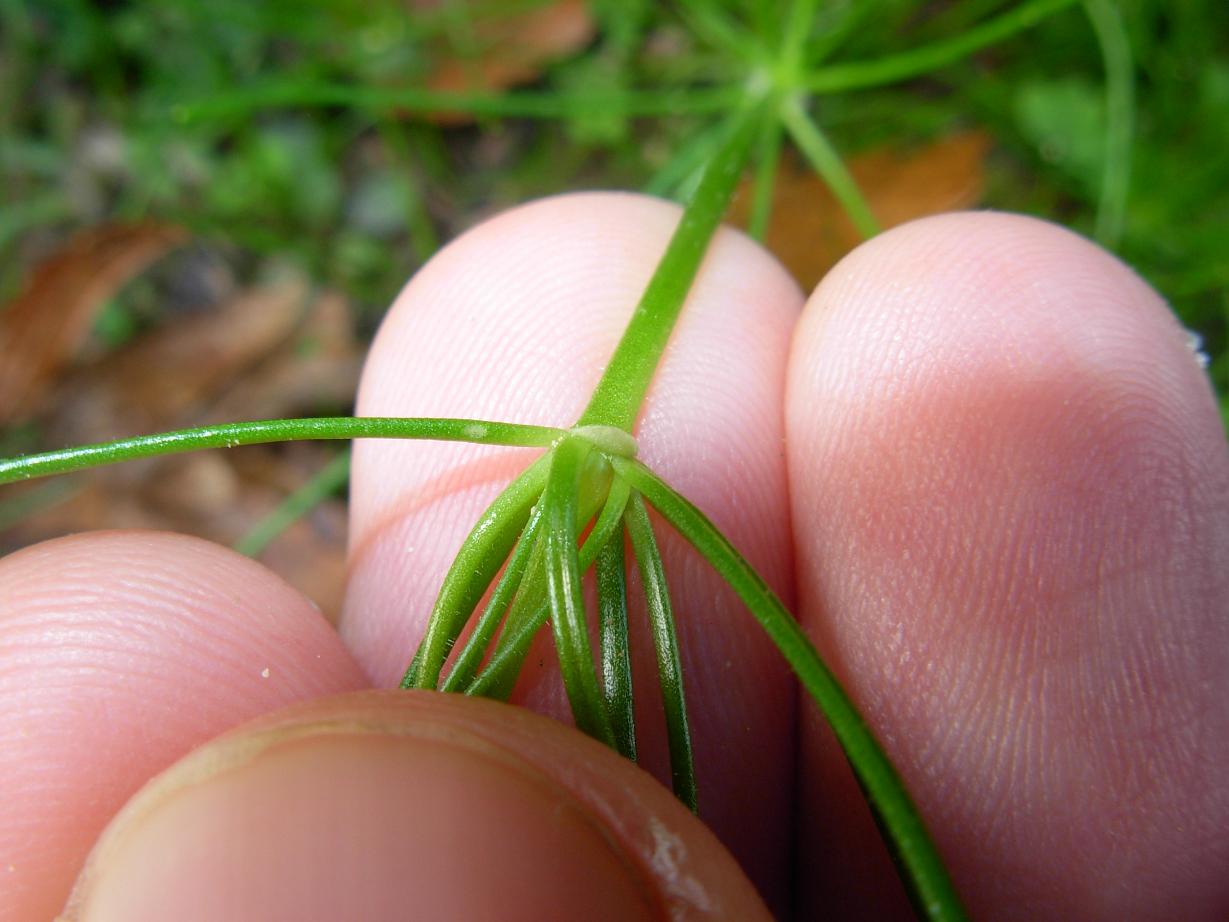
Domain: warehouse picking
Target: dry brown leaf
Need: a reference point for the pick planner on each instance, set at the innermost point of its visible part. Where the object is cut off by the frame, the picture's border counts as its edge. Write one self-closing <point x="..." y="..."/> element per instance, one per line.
<point x="512" y="49"/>
<point x="810" y="232"/>
<point x="45" y="325"/>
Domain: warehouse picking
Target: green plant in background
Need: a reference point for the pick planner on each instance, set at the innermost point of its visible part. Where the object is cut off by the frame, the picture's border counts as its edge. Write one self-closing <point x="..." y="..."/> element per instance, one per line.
<point x="750" y="81"/>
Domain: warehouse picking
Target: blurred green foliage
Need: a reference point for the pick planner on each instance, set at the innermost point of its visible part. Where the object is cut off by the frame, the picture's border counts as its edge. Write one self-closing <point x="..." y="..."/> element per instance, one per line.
<point x="92" y="97"/>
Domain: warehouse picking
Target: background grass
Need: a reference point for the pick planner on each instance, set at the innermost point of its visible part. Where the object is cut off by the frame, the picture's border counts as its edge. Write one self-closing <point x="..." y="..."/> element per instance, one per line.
<point x="96" y="102"/>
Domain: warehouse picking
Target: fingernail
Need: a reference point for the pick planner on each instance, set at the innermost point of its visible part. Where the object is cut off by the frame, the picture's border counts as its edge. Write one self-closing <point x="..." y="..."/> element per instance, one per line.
<point x="339" y="822"/>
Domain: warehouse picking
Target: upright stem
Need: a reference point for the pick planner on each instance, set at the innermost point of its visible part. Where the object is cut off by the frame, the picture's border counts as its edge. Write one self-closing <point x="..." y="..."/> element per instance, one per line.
<point x="616" y="400"/>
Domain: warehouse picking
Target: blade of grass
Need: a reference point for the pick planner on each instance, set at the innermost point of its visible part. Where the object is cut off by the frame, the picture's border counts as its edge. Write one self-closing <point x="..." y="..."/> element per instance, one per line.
<point x="828" y="164"/>
<point x="497" y="678"/>
<point x="892" y="68"/>
<point x="481" y="554"/>
<point x="665" y="642"/>
<point x="1119" y="118"/>
<point x="566" y="593"/>
<point x="470" y="658"/>
<point x="922" y="869"/>
<point x="709" y="21"/>
<point x="260" y="432"/>
<point x="616" y="655"/>
<point x="799" y="24"/>
<point x="327" y="481"/>
<point x="616" y="399"/>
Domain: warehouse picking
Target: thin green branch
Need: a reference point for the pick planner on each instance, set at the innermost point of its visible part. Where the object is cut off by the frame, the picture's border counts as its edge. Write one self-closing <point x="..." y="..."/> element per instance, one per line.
<point x="260" y="432"/>
<point x="470" y="657"/>
<point x="566" y="593"/>
<point x="479" y="559"/>
<point x="1119" y="118"/>
<point x="616" y="652"/>
<point x="665" y="642"/>
<point x="819" y="151"/>
<point x="327" y="481"/>
<point x="922" y="869"/>
<point x="798" y="28"/>
<point x="918" y="61"/>
<point x="525" y="104"/>
<point x="616" y="399"/>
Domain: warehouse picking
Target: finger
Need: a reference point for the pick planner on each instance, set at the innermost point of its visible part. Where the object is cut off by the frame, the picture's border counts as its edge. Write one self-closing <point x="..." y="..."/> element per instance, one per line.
<point x="1011" y="500"/>
<point x="514" y="322"/>
<point x="388" y="805"/>
<point x="119" y="652"/>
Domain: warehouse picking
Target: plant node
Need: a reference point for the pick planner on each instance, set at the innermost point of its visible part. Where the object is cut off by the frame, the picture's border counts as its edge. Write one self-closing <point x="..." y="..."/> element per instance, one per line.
<point x="610" y="440"/>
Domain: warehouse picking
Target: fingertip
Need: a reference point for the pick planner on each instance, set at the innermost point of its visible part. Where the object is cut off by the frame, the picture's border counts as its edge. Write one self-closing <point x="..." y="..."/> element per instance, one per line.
<point x="1010" y="489"/>
<point x="120" y="651"/>
<point x="408" y="804"/>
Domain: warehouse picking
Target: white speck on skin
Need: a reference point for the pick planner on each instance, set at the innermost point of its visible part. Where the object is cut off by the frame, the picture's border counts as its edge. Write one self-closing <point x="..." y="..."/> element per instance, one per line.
<point x="668" y="852"/>
<point x="264" y="673"/>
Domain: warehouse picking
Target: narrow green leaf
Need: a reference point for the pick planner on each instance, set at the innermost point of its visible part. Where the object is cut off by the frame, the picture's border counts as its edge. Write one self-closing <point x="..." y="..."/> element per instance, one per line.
<point x="470" y="657"/>
<point x="497" y="678"/>
<point x="767" y="156"/>
<point x="259" y="432"/>
<point x="665" y="642"/>
<point x="918" y="61"/>
<point x="566" y="594"/>
<point x="524" y="104"/>
<point x="483" y="551"/>
<point x="921" y="867"/>
<point x="327" y="481"/>
<point x="816" y="147"/>
<point x="616" y="654"/>
<point x="1115" y="47"/>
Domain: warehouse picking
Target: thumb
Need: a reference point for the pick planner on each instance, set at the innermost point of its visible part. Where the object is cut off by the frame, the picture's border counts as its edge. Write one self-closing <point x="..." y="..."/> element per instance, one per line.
<point x="382" y="805"/>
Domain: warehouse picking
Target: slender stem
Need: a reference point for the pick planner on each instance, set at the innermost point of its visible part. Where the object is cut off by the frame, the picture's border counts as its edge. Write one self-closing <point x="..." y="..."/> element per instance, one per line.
<point x="651" y="102"/>
<point x="923" y="870"/>
<point x="327" y="481"/>
<point x="497" y="676"/>
<point x="827" y="162"/>
<point x="566" y="593"/>
<point x="1119" y="117"/>
<point x="665" y="642"/>
<point x="922" y="60"/>
<point x="618" y="395"/>
<point x="798" y="27"/>
<point x="470" y="657"/>
<point x="475" y="565"/>
<point x="616" y="653"/>
<point x="259" y="432"/>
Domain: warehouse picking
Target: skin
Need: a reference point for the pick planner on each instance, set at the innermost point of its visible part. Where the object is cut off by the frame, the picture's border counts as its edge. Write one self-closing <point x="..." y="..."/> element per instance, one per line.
<point x="980" y="463"/>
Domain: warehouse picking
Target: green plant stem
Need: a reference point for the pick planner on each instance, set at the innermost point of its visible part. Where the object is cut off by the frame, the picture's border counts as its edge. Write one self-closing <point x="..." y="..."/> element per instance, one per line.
<point x="691" y="155"/>
<point x="617" y="398"/>
<point x="923" y="870"/>
<point x="327" y="481"/>
<point x="665" y="642"/>
<point x="824" y="158"/>
<point x="890" y="69"/>
<point x="653" y="102"/>
<point x="479" y="559"/>
<point x="1120" y="118"/>
<point x="798" y="27"/>
<point x="260" y="432"/>
<point x="566" y="593"/>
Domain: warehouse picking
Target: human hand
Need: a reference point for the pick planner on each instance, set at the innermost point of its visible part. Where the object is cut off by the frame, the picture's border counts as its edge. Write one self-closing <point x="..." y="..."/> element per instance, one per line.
<point x="989" y="477"/>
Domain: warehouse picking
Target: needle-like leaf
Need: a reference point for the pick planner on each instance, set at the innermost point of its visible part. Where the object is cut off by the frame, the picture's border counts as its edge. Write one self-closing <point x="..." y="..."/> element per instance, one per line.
<point x="921" y="868"/>
<point x="665" y="642"/>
